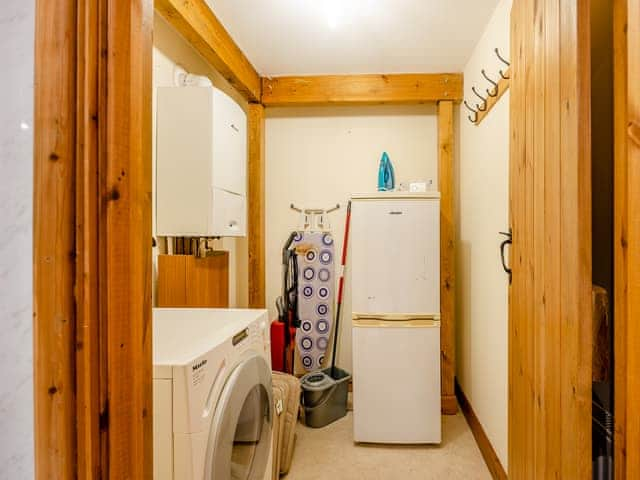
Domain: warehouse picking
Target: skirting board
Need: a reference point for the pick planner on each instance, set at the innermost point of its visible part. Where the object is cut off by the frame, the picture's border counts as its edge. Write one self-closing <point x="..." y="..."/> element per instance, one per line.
<point x="488" y="453"/>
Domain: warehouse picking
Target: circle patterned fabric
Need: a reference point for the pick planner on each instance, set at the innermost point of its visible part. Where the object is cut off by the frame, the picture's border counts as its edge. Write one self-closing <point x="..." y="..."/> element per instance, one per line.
<point x="316" y="285"/>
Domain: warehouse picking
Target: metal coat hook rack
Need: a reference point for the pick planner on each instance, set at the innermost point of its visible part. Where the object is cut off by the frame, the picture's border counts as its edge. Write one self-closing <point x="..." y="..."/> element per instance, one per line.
<point x="495" y="90"/>
<point x="314" y="219"/>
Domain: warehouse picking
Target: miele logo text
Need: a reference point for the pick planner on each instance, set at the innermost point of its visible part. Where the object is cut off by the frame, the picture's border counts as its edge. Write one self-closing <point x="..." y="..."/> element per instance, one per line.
<point x="199" y="365"/>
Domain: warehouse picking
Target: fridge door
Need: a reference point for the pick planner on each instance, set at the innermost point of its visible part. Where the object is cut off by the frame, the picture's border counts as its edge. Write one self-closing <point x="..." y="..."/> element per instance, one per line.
<point x="395" y="255"/>
<point x="396" y="379"/>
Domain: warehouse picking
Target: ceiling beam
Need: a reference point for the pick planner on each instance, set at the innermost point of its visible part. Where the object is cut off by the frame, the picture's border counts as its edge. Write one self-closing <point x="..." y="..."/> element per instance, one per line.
<point x="195" y="21"/>
<point x="361" y="89"/>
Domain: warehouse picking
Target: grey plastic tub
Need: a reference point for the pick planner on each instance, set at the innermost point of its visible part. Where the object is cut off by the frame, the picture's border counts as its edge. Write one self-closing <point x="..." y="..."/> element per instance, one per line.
<point x="324" y="397"/>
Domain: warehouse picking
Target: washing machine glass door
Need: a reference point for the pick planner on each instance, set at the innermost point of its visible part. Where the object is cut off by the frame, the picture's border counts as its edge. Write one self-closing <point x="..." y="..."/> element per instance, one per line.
<point x="240" y="437"/>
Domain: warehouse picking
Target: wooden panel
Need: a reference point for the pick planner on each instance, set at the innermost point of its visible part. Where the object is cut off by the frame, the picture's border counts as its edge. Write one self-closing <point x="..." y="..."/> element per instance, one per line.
<point x="126" y="238"/>
<point x="195" y="21"/>
<point x="550" y="352"/>
<point x="447" y="252"/>
<point x="536" y="216"/>
<point x="187" y="281"/>
<point x="503" y="86"/>
<point x="620" y="235"/>
<point x="172" y="281"/>
<point x="54" y="240"/>
<point x="484" y="444"/>
<point x="90" y="370"/>
<point x="627" y="237"/>
<point x="256" y="210"/>
<point x="208" y="281"/>
<point x="633" y="240"/>
<point x="576" y="283"/>
<point x="361" y="89"/>
<point x="627" y="440"/>
<point x="518" y="422"/>
<point x="550" y="197"/>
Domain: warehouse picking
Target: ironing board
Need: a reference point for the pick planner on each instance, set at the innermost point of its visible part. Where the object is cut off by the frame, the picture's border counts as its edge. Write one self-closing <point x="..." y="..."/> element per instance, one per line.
<point x="316" y="287"/>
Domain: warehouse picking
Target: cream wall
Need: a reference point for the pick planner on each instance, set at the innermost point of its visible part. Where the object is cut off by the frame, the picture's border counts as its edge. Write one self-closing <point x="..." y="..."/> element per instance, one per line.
<point x="483" y="211"/>
<point x="170" y="49"/>
<point x="317" y="157"/>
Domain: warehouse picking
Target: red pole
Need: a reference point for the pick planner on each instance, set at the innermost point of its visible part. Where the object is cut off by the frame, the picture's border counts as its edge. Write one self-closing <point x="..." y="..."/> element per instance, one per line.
<point x="345" y="245"/>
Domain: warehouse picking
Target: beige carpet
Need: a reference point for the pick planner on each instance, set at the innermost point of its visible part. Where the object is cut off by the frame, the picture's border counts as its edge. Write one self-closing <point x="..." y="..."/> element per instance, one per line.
<point x="329" y="453"/>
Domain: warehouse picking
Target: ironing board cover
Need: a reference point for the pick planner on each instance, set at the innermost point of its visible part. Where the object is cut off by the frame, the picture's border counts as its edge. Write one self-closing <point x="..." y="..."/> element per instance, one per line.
<point x="316" y="287"/>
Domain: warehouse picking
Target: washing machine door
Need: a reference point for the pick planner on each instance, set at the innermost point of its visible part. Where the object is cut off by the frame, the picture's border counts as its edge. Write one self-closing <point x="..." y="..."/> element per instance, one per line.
<point x="240" y="438"/>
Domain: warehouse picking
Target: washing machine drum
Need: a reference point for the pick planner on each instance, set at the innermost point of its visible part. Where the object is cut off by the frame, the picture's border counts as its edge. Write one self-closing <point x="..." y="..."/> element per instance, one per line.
<point x="240" y="438"/>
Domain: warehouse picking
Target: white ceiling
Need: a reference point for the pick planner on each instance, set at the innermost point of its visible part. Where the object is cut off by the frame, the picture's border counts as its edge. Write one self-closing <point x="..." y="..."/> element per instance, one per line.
<point x="310" y="37"/>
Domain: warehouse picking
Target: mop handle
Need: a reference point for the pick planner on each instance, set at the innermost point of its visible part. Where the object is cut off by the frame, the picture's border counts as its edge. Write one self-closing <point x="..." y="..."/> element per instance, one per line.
<point x="341" y="284"/>
<point x="345" y="245"/>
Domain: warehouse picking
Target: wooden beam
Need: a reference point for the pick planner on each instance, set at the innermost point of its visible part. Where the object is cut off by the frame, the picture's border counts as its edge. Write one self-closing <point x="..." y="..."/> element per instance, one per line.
<point x="54" y="240"/>
<point x="256" y="209"/>
<point x="125" y="248"/>
<point x="361" y="89"/>
<point x="484" y="444"/>
<point x="447" y="251"/>
<point x="195" y="21"/>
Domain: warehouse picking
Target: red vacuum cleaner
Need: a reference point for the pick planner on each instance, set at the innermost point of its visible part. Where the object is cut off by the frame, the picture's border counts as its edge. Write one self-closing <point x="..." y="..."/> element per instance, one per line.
<point x="283" y="330"/>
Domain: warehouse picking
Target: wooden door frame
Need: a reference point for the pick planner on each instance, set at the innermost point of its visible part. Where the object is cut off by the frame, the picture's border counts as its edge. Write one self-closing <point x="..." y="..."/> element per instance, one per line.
<point x="92" y="217"/>
<point x="92" y="239"/>
<point x="626" y="238"/>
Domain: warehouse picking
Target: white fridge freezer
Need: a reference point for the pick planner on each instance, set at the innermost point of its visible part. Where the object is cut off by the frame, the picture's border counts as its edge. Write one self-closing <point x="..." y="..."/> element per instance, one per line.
<point x="395" y="294"/>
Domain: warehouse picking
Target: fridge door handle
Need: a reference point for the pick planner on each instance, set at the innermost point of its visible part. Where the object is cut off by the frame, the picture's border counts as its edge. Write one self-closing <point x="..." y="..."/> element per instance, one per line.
<point x="503" y="247"/>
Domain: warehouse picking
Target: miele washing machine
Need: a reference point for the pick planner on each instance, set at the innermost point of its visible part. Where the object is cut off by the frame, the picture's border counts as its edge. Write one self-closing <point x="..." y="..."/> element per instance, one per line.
<point x="212" y="394"/>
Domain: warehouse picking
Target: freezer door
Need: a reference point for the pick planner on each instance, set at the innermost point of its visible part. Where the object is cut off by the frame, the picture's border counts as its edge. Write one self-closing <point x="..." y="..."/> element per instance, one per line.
<point x="396" y="381"/>
<point x="395" y="256"/>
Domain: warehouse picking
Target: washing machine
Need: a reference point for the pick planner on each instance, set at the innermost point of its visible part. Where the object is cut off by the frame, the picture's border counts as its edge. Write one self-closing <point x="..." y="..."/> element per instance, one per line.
<point x="212" y="394"/>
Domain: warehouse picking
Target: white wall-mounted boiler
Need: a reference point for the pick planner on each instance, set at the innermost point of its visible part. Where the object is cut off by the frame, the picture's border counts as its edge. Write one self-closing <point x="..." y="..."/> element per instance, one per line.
<point x="201" y="163"/>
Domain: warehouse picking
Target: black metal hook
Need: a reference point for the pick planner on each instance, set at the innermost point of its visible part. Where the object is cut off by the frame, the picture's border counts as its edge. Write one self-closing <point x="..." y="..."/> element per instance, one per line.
<point x="501" y="58"/>
<point x="472" y="110"/>
<point x="503" y="246"/>
<point x="482" y="108"/>
<point x="473" y="89"/>
<point x="495" y="85"/>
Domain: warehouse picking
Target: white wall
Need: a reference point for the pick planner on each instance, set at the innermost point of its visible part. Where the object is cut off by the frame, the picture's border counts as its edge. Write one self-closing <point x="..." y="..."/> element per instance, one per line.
<point x="16" y="212"/>
<point x="317" y="157"/>
<point x="170" y="49"/>
<point x="483" y="209"/>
